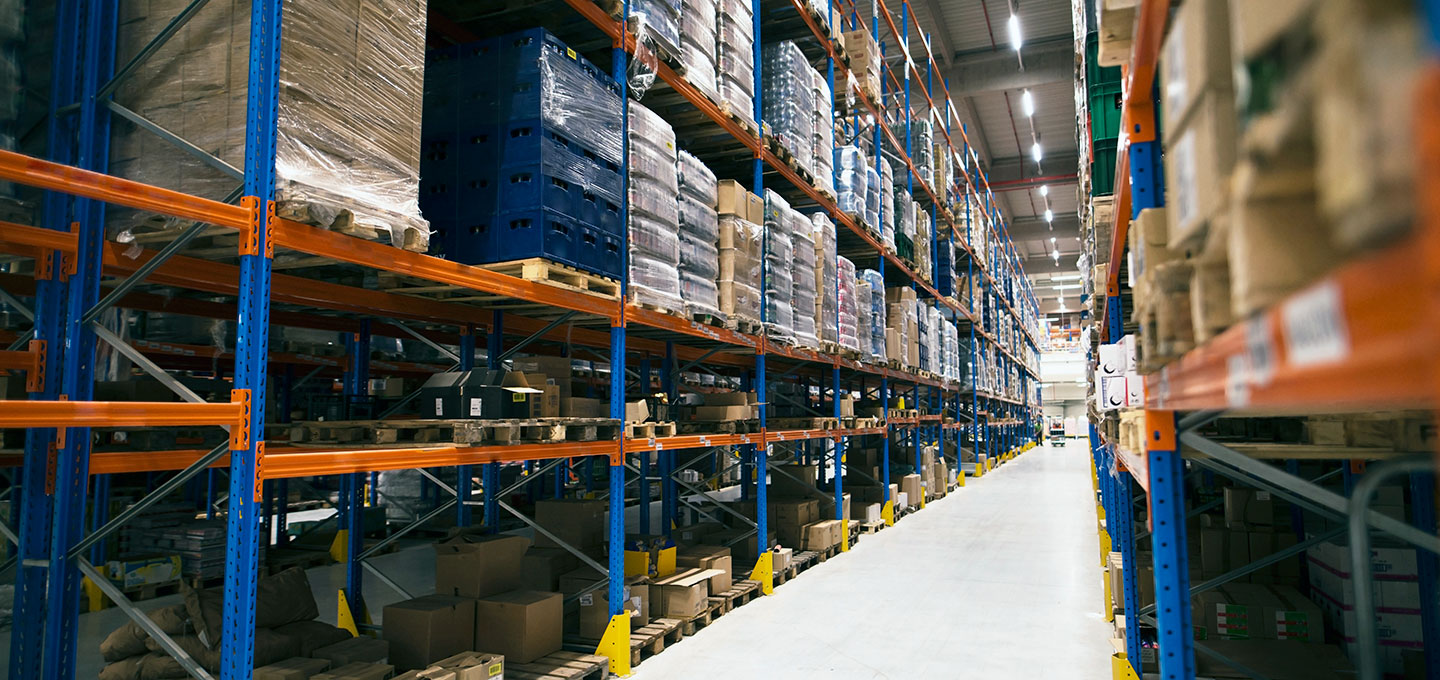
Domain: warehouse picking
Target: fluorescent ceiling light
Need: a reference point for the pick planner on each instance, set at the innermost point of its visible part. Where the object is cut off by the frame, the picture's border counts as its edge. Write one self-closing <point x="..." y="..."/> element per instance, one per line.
<point x="1044" y="189"/>
<point x="1027" y="104"/>
<point x="1066" y="277"/>
<point x="1036" y="151"/>
<point x="1052" y="240"/>
<point x="1049" y="216"/>
<point x="1014" y="27"/>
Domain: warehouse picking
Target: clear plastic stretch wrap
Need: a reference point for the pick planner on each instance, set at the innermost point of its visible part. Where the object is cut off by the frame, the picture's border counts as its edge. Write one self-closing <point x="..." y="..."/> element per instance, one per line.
<point x="921" y="139"/>
<point x="824" y="137"/>
<point x="803" y="292"/>
<point x="789" y="99"/>
<point x="697" y="44"/>
<point x="849" y="310"/>
<point x="906" y="207"/>
<point x="696" y="179"/>
<point x="923" y="232"/>
<point x="654" y="211"/>
<point x="934" y="335"/>
<point x="699" y="232"/>
<point x="872" y="197"/>
<point x="741" y="258"/>
<point x="660" y="20"/>
<point x="348" y="123"/>
<point x="823" y="232"/>
<point x="735" y="58"/>
<point x="921" y="337"/>
<point x="851" y="186"/>
<point x="862" y="319"/>
<point x="876" y="304"/>
<point x="887" y="196"/>
<point x="779" y="257"/>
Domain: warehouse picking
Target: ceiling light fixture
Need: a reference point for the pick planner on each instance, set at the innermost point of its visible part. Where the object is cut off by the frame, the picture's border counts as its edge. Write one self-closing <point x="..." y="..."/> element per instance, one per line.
<point x="1049" y="217"/>
<point x="1027" y="104"/>
<point x="1014" y="26"/>
<point x="1036" y="151"/>
<point x="1044" y="189"/>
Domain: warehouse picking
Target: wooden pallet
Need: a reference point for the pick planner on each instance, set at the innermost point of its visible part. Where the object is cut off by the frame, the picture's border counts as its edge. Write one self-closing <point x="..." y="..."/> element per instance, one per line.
<point x="740" y="119"/>
<point x="803" y="423"/>
<point x="561" y="665"/>
<point x="541" y="270"/>
<point x="454" y="431"/>
<point x="718" y="427"/>
<point x="743" y="324"/>
<point x="703" y="619"/>
<point x="649" y="430"/>
<point x="783" y="575"/>
<point x="740" y="593"/>
<point x="652" y="638"/>
<point x="318" y="208"/>
<point x="870" y="527"/>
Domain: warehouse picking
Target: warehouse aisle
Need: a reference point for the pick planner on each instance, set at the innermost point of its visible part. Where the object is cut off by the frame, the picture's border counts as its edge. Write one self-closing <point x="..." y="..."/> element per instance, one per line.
<point x="997" y="581"/>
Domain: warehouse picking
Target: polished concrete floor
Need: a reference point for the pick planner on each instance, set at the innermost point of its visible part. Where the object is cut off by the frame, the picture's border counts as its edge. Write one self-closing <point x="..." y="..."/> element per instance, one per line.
<point x="998" y="581"/>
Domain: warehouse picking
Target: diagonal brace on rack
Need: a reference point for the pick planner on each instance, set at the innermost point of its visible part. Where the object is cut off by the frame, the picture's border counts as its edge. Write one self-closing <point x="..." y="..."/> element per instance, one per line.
<point x="704" y="493"/>
<point x="176" y="140"/>
<point x="559" y="321"/>
<point x="431" y="343"/>
<point x="1329" y="501"/>
<point x="143" y="620"/>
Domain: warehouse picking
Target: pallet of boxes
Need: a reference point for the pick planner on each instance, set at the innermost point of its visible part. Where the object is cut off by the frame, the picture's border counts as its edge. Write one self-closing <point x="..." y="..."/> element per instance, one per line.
<point x="741" y="253"/>
<point x="1316" y="167"/>
<point x="804" y="516"/>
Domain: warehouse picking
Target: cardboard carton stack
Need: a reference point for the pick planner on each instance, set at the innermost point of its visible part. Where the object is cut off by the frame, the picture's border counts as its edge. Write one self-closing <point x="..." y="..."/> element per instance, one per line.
<point x="741" y="251"/>
<point x="1396" y="592"/>
<point x="482" y="576"/>
<point x="349" y="111"/>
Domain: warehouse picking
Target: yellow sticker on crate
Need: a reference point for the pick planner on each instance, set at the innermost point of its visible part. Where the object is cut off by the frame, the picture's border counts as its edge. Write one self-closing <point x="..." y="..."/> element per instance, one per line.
<point x="570" y="52"/>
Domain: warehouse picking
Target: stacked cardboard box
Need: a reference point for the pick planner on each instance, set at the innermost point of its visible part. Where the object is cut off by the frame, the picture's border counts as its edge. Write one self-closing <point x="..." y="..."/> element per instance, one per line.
<point x="741" y="252"/>
<point x="1395" y="590"/>
<point x="349" y="111"/>
<point x="865" y="58"/>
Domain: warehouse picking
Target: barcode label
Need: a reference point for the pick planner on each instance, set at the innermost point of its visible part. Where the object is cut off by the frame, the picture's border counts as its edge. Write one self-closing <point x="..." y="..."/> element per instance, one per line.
<point x="1315" y="331"/>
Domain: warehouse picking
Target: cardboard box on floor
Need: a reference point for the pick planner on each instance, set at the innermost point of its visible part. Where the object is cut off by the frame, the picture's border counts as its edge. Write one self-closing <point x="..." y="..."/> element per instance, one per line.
<point x="683" y="595"/>
<point x="474" y="565"/>
<point x="426" y="629"/>
<point x="822" y="535"/>
<point x="357" y="671"/>
<point x="580" y="523"/>
<point x="521" y="625"/>
<point x="714" y="557"/>
<point x="910" y="486"/>
<point x="540" y="568"/>
<point x="298" y="668"/>
<point x="594" y="610"/>
<point x="462" y="666"/>
<point x="789" y="516"/>
<point x="780" y="558"/>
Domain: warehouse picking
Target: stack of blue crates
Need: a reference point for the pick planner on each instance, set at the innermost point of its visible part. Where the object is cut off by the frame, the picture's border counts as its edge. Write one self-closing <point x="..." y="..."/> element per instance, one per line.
<point x="945" y="276"/>
<point x="521" y="147"/>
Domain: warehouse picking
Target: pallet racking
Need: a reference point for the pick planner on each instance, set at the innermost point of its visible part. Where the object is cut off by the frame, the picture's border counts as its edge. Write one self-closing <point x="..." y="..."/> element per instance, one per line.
<point x="60" y="477"/>
<point x="1367" y="320"/>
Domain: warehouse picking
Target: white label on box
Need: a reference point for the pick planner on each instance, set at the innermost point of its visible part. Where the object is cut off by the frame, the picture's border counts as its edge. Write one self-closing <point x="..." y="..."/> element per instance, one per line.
<point x="1237" y="381"/>
<point x="1183" y="198"/>
<point x="1134" y="391"/>
<point x="439" y="406"/>
<point x="1112" y="360"/>
<point x="1315" y="331"/>
<point x="587" y="600"/>
<point x="1262" y="495"/>
<point x="1172" y="63"/>
<point x="1113" y="394"/>
<point x="476" y="406"/>
<point x="1260" y="350"/>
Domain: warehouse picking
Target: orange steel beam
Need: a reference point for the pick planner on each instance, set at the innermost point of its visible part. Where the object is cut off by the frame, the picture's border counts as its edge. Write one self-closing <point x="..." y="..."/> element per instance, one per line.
<point x="286" y="465"/>
<point x="43" y="174"/>
<point x="1371" y="315"/>
<point x="17" y="360"/>
<point x="116" y="413"/>
<point x="12" y="234"/>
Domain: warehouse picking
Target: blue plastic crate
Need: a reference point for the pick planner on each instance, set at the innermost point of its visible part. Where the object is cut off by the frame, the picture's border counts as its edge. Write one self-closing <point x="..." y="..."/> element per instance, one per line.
<point x="600" y="252"/>
<point x="527" y="188"/>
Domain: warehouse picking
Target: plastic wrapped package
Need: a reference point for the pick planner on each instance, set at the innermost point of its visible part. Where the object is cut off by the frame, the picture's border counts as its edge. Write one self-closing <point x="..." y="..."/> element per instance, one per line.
<point x="803" y="289"/>
<point x="887" y="195"/>
<point x="697" y="44"/>
<point x="701" y="294"/>
<point x="698" y="219"/>
<point x="654" y="281"/>
<point x="789" y="101"/>
<point x="649" y="129"/>
<point x="654" y="166"/>
<point x="876" y="312"/>
<point x="654" y="201"/>
<point x="921" y="337"/>
<point x="735" y="59"/>
<point x="696" y="179"/>
<point x="862" y="319"/>
<point x="659" y="21"/>
<point x="740" y="257"/>
<point x="654" y="238"/>
<point x="779" y="254"/>
<point x="872" y="196"/>
<point x="348" y="117"/>
<point x="905" y="225"/>
<point x="739" y="11"/>
<point x="850" y="190"/>
<point x="823" y="233"/>
<point x="699" y="256"/>
<point x="848" y="311"/>
<point x="823" y="138"/>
